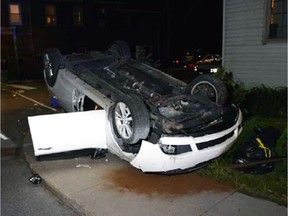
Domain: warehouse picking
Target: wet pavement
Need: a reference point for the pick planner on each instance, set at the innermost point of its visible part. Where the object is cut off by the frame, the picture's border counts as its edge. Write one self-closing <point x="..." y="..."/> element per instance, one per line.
<point x="111" y="186"/>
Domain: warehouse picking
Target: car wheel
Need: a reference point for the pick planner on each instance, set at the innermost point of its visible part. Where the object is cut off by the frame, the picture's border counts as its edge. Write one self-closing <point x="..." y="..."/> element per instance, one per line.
<point x="130" y="119"/>
<point x="77" y="101"/>
<point x="52" y="60"/>
<point x="210" y="85"/>
<point x="120" y="49"/>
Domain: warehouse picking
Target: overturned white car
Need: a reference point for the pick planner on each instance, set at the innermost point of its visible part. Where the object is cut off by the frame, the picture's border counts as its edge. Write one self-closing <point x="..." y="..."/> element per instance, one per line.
<point x="152" y="120"/>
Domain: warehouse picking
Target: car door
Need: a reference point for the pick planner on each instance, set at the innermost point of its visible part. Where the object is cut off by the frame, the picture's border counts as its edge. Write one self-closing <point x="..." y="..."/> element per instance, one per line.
<point x="62" y="132"/>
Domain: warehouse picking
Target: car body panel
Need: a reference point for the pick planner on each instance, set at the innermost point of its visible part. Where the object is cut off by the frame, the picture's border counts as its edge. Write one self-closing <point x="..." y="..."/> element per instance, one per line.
<point x="62" y="132"/>
<point x="63" y="88"/>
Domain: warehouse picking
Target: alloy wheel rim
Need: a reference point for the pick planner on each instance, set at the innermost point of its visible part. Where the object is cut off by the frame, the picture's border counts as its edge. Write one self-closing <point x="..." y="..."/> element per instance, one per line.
<point x="123" y="120"/>
<point x="48" y="65"/>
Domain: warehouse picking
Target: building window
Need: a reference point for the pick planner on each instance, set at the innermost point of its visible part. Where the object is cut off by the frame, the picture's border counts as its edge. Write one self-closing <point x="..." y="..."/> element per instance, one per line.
<point x="277" y="20"/>
<point x="77" y="16"/>
<point x="15" y="14"/>
<point x="51" y="18"/>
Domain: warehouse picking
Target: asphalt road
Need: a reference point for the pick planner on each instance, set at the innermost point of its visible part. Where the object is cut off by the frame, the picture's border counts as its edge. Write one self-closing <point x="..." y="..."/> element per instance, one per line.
<point x="18" y="101"/>
<point x="18" y="195"/>
<point x="21" y="197"/>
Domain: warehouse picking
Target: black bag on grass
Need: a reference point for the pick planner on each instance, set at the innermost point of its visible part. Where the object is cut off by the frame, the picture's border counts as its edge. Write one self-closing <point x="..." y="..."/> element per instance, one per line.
<point x="257" y="148"/>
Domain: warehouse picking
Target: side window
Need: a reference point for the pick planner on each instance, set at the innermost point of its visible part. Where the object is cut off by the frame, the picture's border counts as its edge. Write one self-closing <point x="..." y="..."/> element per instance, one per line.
<point x="77" y="16"/>
<point x="51" y="18"/>
<point x="15" y="15"/>
<point x="276" y="28"/>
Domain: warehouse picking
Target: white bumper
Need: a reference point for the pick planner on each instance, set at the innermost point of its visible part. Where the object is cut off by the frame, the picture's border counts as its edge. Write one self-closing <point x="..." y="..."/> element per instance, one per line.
<point x="152" y="159"/>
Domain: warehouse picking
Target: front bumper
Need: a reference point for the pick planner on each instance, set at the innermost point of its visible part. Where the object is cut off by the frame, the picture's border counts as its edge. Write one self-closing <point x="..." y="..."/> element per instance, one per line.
<point x="151" y="158"/>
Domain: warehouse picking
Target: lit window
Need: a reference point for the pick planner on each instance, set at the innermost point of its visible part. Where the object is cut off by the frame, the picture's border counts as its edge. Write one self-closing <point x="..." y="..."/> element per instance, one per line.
<point x="51" y="18"/>
<point x="15" y="14"/>
<point x="277" y="22"/>
<point x="77" y="16"/>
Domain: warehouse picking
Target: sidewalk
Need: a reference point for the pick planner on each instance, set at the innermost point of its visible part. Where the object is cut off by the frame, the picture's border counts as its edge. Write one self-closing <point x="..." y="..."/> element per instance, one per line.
<point x="111" y="186"/>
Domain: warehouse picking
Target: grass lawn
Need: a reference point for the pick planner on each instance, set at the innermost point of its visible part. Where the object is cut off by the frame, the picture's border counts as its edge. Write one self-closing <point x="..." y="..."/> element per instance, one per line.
<point x="270" y="186"/>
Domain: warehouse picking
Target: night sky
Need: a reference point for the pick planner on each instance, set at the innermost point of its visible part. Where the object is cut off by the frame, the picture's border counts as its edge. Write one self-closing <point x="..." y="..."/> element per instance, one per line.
<point x="196" y="24"/>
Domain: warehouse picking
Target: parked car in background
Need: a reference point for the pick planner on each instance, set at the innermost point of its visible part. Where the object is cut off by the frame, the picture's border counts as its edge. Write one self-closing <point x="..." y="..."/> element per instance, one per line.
<point x="209" y="64"/>
<point x="188" y="60"/>
<point x="154" y="121"/>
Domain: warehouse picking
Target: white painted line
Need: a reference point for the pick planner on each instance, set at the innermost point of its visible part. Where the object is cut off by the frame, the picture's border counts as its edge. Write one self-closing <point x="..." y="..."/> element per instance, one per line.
<point x="22" y="87"/>
<point x="3" y="137"/>
<point x="34" y="101"/>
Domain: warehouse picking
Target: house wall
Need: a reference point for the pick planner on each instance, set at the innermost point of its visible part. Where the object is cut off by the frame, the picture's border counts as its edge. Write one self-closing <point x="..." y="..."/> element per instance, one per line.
<point x="251" y="61"/>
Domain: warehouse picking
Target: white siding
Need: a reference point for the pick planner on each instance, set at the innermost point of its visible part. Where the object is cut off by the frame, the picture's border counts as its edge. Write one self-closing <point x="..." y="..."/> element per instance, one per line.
<point x="244" y="54"/>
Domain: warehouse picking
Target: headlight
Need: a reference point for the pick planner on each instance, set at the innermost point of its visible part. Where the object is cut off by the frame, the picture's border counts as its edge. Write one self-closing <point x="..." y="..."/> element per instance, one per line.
<point x="175" y="149"/>
<point x="213" y="70"/>
<point x="195" y="68"/>
<point x="168" y="149"/>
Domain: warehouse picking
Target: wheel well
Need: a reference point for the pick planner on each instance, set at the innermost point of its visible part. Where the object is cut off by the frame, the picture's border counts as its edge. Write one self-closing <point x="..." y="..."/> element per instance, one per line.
<point x="90" y="104"/>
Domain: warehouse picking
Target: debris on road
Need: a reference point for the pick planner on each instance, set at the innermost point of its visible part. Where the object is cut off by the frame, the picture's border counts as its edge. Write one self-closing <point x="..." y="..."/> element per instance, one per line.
<point x="35" y="179"/>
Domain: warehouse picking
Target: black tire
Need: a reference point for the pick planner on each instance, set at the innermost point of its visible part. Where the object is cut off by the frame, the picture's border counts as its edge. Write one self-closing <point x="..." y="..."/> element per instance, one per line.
<point x="120" y="50"/>
<point x="210" y="85"/>
<point x="52" y="61"/>
<point x="130" y="119"/>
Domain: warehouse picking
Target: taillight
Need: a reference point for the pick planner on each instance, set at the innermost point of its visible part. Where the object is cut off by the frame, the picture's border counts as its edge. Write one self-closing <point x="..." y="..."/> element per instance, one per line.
<point x="190" y="65"/>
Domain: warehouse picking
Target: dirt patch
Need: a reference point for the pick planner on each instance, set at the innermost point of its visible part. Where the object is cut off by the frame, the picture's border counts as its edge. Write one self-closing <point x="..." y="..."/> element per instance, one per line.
<point x="136" y="181"/>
